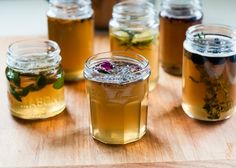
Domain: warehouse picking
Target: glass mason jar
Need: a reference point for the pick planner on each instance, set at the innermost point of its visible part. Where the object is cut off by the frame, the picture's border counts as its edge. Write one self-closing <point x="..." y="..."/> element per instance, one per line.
<point x="117" y="87"/>
<point x="70" y="24"/>
<point x="35" y="79"/>
<point x="175" y="18"/>
<point x="134" y="27"/>
<point x="209" y="72"/>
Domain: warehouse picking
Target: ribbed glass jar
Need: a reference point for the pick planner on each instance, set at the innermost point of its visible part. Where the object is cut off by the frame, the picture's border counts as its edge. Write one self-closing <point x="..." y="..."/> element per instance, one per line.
<point x="117" y="87"/>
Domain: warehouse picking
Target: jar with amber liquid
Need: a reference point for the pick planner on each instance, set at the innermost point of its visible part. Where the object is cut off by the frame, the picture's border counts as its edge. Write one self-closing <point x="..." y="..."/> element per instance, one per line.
<point x="209" y="72"/>
<point x="134" y="27"/>
<point x="35" y="79"/>
<point x="70" y="24"/>
<point x="117" y="87"/>
<point x="175" y="18"/>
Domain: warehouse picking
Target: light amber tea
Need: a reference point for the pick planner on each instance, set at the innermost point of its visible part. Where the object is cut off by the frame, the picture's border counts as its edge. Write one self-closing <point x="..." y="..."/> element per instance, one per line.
<point x="134" y="27"/>
<point x="144" y="43"/>
<point x="33" y="96"/>
<point x="209" y="78"/>
<point x="35" y="79"/>
<point x="75" y="38"/>
<point x="118" y="91"/>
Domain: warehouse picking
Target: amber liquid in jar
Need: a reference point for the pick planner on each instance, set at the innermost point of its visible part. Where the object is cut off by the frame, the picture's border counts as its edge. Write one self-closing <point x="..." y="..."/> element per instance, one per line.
<point x="175" y="18"/>
<point x="118" y="107"/>
<point x="144" y="43"/>
<point x="209" y="84"/>
<point x="35" y="96"/>
<point x="75" y="38"/>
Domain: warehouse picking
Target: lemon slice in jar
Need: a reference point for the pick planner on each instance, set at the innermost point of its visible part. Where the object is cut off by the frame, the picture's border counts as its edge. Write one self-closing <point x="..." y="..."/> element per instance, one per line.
<point x="122" y="36"/>
<point x="145" y="37"/>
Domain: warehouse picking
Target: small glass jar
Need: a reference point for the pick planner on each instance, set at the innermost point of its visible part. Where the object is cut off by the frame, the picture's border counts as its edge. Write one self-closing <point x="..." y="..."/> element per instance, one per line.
<point x="70" y="24"/>
<point x="175" y="18"/>
<point x="35" y="79"/>
<point x="134" y="27"/>
<point x="117" y="87"/>
<point x="209" y="78"/>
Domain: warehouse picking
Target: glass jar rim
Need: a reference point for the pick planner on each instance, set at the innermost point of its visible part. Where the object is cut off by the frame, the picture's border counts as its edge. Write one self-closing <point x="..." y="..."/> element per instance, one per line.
<point x="70" y="9"/>
<point x="211" y="40"/>
<point x="178" y="4"/>
<point x="70" y="3"/>
<point x="33" y="55"/>
<point x="204" y="28"/>
<point x="89" y="73"/>
<point x="134" y="11"/>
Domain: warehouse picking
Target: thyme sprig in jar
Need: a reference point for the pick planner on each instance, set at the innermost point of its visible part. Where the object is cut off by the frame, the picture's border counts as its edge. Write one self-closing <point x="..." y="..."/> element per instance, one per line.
<point x="35" y="79"/>
<point x="209" y="79"/>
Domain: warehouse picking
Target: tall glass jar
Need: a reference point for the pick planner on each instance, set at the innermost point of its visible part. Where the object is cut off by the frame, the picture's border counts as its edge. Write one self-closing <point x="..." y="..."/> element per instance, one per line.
<point x="209" y="72"/>
<point x="70" y="24"/>
<point x="35" y="79"/>
<point x="175" y="18"/>
<point x="134" y="27"/>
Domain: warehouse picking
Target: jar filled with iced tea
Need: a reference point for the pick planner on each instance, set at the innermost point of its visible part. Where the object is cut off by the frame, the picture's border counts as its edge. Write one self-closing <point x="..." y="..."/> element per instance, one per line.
<point x="35" y="79"/>
<point x="175" y="18"/>
<point x="117" y="87"/>
<point x="134" y="27"/>
<point x="209" y="72"/>
<point x="70" y="24"/>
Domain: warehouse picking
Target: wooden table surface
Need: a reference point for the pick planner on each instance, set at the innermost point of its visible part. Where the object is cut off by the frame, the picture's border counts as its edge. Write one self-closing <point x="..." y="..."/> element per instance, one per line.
<point x="172" y="140"/>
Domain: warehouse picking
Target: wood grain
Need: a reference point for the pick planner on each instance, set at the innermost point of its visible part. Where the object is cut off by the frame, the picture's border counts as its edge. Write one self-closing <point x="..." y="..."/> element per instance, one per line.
<point x="172" y="140"/>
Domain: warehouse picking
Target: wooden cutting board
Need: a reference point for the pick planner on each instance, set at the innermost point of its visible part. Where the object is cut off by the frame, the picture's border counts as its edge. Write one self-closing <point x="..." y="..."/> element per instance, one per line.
<point x="172" y="140"/>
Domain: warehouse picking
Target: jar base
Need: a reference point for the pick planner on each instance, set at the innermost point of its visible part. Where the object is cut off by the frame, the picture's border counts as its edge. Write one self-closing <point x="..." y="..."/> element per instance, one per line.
<point x="118" y="142"/>
<point x="153" y="84"/>
<point x="198" y="113"/>
<point x="173" y="70"/>
<point x="71" y="76"/>
<point x="37" y="117"/>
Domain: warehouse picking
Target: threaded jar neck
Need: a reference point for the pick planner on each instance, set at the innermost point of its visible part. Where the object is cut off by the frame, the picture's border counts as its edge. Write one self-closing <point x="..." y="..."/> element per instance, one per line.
<point x="211" y="40"/>
<point x="70" y="9"/>
<point x="137" y="12"/>
<point x="33" y="56"/>
<point x="181" y="8"/>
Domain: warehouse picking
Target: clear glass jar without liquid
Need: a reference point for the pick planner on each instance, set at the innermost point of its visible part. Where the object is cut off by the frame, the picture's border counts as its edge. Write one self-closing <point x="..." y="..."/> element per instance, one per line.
<point x="209" y="78"/>
<point x="134" y="27"/>
<point x="175" y="18"/>
<point x="35" y="79"/>
<point x="71" y="25"/>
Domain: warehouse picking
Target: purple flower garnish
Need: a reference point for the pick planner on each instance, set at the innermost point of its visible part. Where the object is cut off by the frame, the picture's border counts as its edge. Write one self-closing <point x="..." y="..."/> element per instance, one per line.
<point x="136" y="68"/>
<point x="107" y="66"/>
